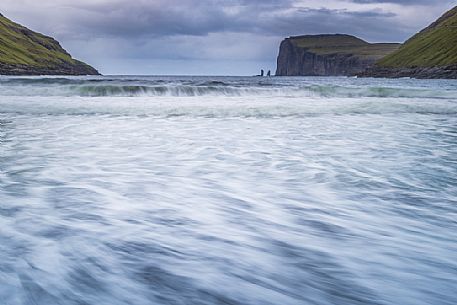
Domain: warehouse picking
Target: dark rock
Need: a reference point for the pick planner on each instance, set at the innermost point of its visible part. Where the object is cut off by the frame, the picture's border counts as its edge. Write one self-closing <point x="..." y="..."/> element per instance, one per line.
<point x="446" y="72"/>
<point x="64" y="69"/>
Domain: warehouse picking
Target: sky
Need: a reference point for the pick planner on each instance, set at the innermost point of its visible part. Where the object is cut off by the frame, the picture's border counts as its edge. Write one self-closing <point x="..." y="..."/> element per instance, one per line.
<point x="210" y="37"/>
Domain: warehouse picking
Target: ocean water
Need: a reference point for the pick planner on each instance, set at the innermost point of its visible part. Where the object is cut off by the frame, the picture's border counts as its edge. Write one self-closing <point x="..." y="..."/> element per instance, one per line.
<point x="227" y="190"/>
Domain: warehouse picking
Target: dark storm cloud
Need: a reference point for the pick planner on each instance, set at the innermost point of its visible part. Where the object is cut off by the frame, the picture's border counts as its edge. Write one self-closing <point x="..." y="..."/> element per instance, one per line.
<point x="164" y="18"/>
<point x="339" y="20"/>
<point x="200" y="19"/>
<point x="401" y="2"/>
<point x="184" y="17"/>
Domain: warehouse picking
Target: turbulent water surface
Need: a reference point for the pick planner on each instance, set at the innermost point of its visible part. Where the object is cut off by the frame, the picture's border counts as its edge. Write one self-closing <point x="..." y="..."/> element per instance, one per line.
<point x="219" y="190"/>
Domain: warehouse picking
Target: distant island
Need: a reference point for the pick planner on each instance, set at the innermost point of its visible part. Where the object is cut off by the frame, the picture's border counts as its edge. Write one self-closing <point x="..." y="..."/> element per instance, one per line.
<point x="24" y="52"/>
<point x="432" y="53"/>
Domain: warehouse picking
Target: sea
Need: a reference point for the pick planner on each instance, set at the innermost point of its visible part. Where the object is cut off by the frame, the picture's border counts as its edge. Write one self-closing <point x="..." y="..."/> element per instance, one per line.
<point x="157" y="190"/>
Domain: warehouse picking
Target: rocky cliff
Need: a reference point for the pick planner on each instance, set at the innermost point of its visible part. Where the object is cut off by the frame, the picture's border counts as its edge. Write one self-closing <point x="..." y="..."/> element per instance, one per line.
<point x="328" y="55"/>
<point x="24" y="52"/>
<point x="431" y="53"/>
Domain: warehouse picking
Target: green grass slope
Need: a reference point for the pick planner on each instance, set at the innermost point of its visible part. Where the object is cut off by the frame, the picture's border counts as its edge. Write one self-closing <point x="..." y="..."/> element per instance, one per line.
<point x="23" y="51"/>
<point x="344" y="44"/>
<point x="434" y="46"/>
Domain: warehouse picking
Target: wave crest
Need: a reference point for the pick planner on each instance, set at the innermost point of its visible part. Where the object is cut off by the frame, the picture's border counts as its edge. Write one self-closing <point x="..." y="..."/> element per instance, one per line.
<point x="147" y="87"/>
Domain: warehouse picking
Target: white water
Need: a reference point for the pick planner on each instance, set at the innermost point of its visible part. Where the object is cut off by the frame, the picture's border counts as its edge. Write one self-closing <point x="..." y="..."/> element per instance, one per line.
<point x="227" y="191"/>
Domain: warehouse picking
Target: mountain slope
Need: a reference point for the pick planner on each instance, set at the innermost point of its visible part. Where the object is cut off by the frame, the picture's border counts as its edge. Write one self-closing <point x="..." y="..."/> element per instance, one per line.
<point x="24" y="52"/>
<point x="431" y="53"/>
<point x="330" y="54"/>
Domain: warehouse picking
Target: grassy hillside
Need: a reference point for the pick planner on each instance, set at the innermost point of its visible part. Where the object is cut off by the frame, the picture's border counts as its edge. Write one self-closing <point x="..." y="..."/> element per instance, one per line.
<point x="343" y="44"/>
<point x="436" y="45"/>
<point x="24" y="50"/>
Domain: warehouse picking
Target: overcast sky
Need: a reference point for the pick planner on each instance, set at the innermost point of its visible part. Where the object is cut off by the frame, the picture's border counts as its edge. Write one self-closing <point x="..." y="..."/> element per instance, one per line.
<point x="213" y="37"/>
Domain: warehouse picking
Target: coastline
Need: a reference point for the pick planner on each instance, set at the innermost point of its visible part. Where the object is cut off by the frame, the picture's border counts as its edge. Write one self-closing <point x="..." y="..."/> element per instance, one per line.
<point x="446" y="72"/>
<point x="77" y="69"/>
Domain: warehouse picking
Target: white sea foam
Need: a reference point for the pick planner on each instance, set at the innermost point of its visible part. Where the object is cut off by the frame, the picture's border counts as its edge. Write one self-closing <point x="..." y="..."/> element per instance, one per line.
<point x="220" y="107"/>
<point x="276" y="194"/>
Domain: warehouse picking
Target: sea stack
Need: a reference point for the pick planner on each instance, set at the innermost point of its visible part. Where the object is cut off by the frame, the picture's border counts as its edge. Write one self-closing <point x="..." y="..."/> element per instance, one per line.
<point x="329" y="55"/>
<point x="24" y="52"/>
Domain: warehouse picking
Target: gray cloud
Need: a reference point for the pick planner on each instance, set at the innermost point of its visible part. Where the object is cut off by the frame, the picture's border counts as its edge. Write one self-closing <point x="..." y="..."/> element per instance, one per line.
<point x="403" y="2"/>
<point x="110" y="33"/>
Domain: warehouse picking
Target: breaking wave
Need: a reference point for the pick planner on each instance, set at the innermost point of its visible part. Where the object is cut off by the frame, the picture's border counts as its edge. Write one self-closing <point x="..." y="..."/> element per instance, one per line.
<point x="138" y="87"/>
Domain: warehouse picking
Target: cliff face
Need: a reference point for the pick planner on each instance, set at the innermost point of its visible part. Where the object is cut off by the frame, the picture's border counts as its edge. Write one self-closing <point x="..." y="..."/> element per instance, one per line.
<point x="328" y="55"/>
<point x="24" y="52"/>
<point x="431" y="53"/>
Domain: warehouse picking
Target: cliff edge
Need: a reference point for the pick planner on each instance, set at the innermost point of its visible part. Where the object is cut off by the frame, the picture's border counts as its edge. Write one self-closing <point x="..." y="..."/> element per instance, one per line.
<point x="431" y="53"/>
<point x="329" y="55"/>
<point x="24" y="52"/>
